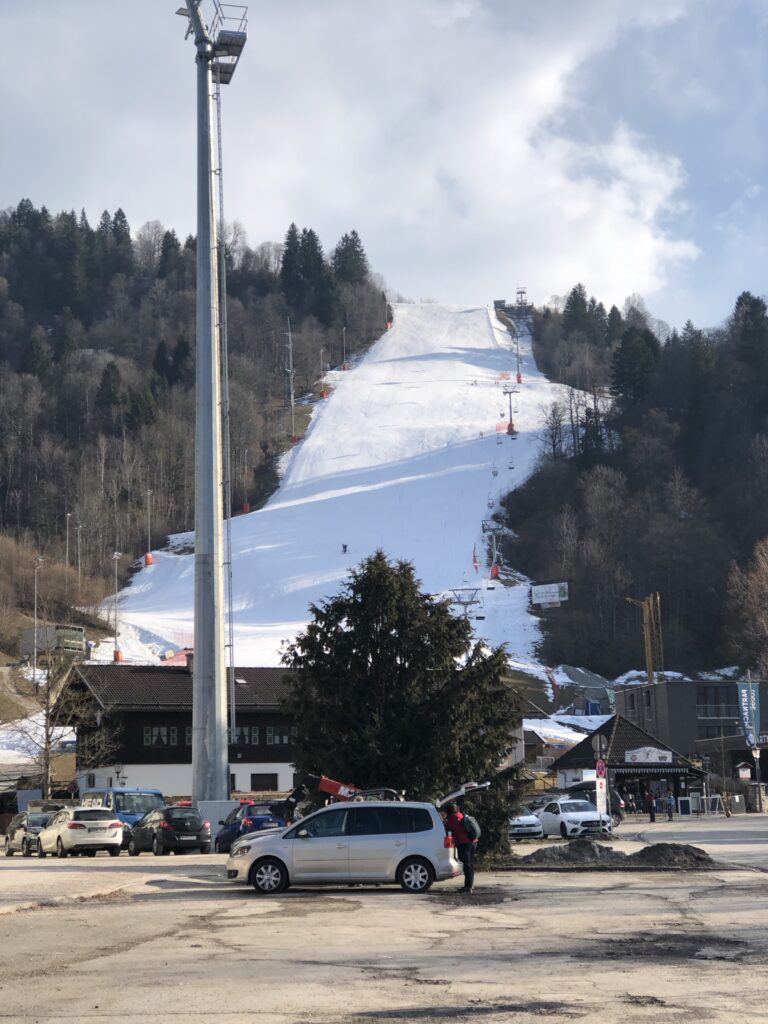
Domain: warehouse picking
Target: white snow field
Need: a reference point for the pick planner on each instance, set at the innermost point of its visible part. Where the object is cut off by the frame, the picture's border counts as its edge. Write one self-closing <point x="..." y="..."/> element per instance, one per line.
<point x="408" y="454"/>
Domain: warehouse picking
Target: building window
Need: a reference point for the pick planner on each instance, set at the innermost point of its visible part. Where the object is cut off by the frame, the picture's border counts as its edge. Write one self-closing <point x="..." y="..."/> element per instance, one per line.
<point x="90" y="780"/>
<point x="631" y="701"/>
<point x="264" y="781"/>
<point x="255" y="735"/>
<point x="188" y="735"/>
<point x="277" y="736"/>
<point x="174" y="735"/>
<point x="648" y="698"/>
<point x="157" y="735"/>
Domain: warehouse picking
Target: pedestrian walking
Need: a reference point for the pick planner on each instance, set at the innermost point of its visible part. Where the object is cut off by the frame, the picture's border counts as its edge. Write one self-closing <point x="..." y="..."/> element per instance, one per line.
<point x="670" y="805"/>
<point x="650" y="804"/>
<point x="466" y="846"/>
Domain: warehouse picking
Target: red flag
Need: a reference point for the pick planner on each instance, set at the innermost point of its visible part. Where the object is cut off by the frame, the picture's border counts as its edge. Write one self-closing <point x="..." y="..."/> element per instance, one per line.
<point x="474" y="557"/>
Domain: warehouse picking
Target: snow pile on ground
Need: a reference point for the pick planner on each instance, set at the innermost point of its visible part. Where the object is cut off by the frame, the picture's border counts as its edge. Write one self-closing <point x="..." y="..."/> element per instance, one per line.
<point x="409" y="454"/>
<point x="586" y="853"/>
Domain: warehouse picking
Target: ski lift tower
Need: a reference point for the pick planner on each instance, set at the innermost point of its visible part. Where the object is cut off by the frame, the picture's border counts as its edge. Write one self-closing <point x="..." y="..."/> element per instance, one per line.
<point x="218" y="52"/>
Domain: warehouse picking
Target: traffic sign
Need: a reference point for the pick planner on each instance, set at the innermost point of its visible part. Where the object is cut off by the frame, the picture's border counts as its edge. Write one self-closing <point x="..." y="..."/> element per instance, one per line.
<point x="600" y="769"/>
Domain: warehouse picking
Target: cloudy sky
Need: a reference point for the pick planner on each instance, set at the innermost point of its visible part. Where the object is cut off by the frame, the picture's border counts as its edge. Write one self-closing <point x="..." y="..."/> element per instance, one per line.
<point x="475" y="145"/>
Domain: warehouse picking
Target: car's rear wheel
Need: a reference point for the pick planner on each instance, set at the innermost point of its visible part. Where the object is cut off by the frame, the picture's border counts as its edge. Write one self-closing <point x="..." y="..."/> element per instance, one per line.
<point x="60" y="851"/>
<point x="415" y="875"/>
<point x="132" y="851"/>
<point x="217" y="847"/>
<point x="616" y="819"/>
<point x="114" y="851"/>
<point x="269" y="876"/>
<point x="157" y="848"/>
<point x="40" y="850"/>
<point x="563" y="830"/>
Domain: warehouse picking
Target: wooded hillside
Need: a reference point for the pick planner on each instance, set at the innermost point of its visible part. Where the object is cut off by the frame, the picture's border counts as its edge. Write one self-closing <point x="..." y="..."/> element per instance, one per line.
<point x="97" y="373"/>
<point x="654" y="477"/>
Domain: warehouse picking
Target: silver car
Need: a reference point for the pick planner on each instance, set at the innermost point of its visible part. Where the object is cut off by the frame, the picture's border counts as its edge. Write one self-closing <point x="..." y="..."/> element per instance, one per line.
<point x="371" y="841"/>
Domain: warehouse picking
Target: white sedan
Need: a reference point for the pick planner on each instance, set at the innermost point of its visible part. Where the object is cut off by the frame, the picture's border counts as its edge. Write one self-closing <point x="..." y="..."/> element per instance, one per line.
<point x="525" y="825"/>
<point x="568" y="818"/>
<point x="81" y="830"/>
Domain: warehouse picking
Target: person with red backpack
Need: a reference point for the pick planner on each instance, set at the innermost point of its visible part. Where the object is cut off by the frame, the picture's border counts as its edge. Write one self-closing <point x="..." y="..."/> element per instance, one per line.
<point x="466" y="833"/>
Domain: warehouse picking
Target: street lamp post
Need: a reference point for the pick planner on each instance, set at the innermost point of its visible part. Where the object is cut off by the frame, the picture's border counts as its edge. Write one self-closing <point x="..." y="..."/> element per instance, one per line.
<point x="148" y="559"/>
<point x="115" y="558"/>
<point x="38" y="563"/>
<point x="67" y="517"/>
<point x="79" y="528"/>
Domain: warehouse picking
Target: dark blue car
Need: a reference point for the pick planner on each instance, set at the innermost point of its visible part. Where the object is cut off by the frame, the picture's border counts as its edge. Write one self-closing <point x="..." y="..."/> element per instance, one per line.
<point x="241" y="820"/>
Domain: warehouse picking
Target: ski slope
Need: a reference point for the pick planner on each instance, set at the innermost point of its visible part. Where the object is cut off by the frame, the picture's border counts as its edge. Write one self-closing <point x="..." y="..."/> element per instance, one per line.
<point x="408" y="454"/>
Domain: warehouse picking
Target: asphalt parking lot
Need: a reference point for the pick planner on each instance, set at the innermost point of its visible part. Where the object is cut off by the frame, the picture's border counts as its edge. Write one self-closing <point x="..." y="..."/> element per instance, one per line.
<point x="118" y="940"/>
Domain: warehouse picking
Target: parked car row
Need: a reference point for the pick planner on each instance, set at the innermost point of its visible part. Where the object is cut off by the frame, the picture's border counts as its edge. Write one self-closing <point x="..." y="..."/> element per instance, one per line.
<point x="567" y="815"/>
<point x="23" y="830"/>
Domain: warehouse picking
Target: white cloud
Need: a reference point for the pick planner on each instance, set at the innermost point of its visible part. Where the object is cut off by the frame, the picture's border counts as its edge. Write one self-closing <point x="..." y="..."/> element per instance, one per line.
<point x="437" y="128"/>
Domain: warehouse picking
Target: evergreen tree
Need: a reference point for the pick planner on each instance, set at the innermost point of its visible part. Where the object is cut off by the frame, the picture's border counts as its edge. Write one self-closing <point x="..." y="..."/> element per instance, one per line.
<point x="110" y="387"/>
<point x="634" y="364"/>
<point x="181" y="365"/>
<point x="390" y="690"/>
<point x="615" y="327"/>
<point x="170" y="255"/>
<point x="575" y="315"/>
<point x="122" y="256"/>
<point x="349" y="261"/>
<point x="161" y="364"/>
<point x="290" y="266"/>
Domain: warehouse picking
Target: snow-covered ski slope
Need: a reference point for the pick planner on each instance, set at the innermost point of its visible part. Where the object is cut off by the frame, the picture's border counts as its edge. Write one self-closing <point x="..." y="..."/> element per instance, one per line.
<point x="405" y="455"/>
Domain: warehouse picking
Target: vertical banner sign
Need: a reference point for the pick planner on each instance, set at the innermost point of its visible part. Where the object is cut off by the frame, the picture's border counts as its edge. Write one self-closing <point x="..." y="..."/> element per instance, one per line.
<point x="601" y="795"/>
<point x="749" y="709"/>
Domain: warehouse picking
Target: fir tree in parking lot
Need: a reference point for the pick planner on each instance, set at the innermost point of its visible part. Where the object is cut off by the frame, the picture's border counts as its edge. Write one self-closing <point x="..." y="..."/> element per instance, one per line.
<point x="389" y="689"/>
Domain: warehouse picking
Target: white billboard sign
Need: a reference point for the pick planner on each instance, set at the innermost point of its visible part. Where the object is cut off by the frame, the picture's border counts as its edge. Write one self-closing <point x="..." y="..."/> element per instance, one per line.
<point x="549" y="593"/>
<point x="648" y="755"/>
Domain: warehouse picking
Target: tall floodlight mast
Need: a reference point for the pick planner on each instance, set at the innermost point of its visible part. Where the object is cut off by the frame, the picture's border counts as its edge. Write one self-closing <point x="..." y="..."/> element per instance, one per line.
<point x="218" y="51"/>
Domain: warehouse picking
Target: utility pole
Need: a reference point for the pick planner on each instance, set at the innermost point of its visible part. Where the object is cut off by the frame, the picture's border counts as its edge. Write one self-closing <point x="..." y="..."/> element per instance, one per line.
<point x="79" y="577"/>
<point x="291" y="375"/>
<point x="148" y="559"/>
<point x="38" y="563"/>
<point x="509" y="391"/>
<point x="118" y="654"/>
<point x="67" y="517"/>
<point x="217" y="49"/>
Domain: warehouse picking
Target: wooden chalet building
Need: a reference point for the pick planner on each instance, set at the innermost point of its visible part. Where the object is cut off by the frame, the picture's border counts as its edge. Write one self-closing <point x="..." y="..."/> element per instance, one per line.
<point x="635" y="760"/>
<point x="149" y="707"/>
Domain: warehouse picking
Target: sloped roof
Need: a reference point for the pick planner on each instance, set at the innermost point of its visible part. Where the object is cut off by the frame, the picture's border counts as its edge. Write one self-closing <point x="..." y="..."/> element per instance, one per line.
<point x="622" y="735"/>
<point x="152" y="687"/>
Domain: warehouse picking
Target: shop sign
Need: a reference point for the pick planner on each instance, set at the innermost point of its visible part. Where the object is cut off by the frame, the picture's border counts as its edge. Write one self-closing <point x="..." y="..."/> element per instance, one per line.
<point x="648" y="755"/>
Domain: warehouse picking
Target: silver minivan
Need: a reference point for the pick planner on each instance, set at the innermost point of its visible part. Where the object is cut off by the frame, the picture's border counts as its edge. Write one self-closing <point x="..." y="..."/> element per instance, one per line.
<point x="367" y="841"/>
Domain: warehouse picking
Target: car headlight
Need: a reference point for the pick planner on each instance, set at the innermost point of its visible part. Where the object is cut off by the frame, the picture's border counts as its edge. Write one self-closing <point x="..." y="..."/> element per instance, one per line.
<point x="240" y="851"/>
<point x="573" y="821"/>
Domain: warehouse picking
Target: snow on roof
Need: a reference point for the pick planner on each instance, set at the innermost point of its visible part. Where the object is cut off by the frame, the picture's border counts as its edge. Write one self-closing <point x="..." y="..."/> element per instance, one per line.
<point x="585" y="723"/>
<point x="551" y="731"/>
